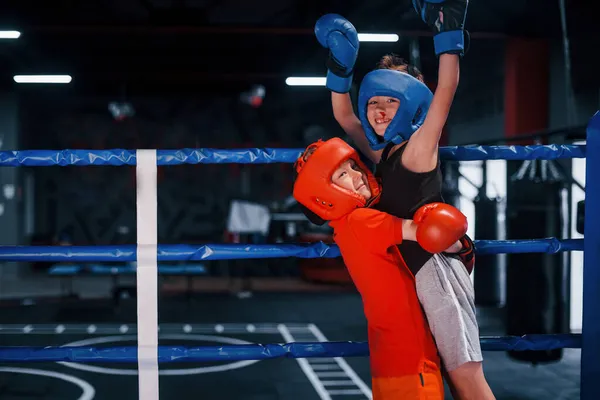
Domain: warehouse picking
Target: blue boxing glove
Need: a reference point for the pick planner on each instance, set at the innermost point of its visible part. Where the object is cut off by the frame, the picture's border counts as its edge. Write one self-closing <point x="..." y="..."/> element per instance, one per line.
<point x="447" y="19"/>
<point x="337" y="34"/>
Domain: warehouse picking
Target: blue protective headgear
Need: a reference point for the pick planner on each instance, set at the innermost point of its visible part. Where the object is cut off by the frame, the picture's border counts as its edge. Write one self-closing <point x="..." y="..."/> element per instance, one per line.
<point x="415" y="98"/>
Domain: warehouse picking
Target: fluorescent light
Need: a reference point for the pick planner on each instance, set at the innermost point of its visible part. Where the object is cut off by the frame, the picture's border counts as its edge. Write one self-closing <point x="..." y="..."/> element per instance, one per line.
<point x="301" y="81"/>
<point x="9" y="34"/>
<point x="378" y="37"/>
<point x="42" y="78"/>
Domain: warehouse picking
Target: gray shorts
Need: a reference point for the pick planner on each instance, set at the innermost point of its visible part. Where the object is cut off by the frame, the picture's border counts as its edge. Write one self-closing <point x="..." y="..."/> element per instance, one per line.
<point x="446" y="293"/>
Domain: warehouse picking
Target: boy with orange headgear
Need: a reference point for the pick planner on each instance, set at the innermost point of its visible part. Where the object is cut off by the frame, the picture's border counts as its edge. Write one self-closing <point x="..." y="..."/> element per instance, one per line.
<point x="333" y="184"/>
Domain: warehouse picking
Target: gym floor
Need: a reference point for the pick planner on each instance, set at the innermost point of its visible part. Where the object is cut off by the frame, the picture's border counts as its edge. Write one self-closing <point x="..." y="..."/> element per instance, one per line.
<point x="211" y="319"/>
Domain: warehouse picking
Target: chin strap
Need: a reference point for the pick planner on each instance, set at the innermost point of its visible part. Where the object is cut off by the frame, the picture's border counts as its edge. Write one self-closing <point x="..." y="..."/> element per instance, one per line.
<point x="373" y="201"/>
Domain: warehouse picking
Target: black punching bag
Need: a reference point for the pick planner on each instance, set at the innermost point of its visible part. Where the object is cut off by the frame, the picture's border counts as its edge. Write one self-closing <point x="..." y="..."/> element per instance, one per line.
<point x="489" y="276"/>
<point x="450" y="192"/>
<point x="537" y="283"/>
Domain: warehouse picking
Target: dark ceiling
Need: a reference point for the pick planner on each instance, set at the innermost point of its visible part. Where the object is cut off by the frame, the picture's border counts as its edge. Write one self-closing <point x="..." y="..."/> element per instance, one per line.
<point x="106" y="44"/>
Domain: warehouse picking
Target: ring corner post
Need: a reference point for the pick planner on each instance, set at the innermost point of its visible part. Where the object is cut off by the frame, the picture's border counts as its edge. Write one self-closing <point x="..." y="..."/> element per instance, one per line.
<point x="590" y="352"/>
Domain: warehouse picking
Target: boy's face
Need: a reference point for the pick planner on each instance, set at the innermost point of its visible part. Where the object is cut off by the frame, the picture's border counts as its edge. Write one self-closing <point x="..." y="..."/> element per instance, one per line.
<point x="350" y="177"/>
<point x="380" y="112"/>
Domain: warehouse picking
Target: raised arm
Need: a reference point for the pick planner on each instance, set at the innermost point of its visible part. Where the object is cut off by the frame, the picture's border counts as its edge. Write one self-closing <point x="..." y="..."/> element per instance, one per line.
<point x="345" y="116"/>
<point x="447" y="20"/>
<point x="337" y="34"/>
<point x="421" y="152"/>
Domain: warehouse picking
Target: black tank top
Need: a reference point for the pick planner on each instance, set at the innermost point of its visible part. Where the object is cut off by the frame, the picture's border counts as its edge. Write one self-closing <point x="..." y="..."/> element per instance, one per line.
<point x="403" y="192"/>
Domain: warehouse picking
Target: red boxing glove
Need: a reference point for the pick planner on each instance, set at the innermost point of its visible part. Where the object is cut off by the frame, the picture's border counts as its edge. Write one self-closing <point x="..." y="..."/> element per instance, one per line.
<point x="439" y="226"/>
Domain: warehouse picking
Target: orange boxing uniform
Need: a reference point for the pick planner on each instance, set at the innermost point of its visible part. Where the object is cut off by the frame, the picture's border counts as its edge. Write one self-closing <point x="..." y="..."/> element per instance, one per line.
<point x="403" y="356"/>
<point x="404" y="359"/>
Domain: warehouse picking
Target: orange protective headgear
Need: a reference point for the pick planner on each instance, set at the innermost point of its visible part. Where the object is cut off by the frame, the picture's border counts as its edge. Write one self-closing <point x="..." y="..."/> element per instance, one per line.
<point x="315" y="190"/>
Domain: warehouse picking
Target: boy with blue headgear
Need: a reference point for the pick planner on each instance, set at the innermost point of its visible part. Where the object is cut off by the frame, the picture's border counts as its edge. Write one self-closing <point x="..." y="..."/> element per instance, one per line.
<point x="399" y="127"/>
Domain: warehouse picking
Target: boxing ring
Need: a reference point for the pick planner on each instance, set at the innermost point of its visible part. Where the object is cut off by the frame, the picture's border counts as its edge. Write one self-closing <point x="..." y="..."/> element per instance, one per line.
<point x="148" y="354"/>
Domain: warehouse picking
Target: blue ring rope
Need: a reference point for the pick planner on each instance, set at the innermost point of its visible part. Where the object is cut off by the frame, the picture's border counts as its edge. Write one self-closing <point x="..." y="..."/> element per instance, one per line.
<point x="181" y="252"/>
<point x="167" y="354"/>
<point x="115" y="157"/>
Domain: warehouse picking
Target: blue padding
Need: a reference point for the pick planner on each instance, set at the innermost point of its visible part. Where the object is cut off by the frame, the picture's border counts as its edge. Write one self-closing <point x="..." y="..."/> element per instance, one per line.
<point x="590" y="354"/>
<point x="167" y="252"/>
<point x="167" y="354"/>
<point x="549" y="245"/>
<point x="43" y="158"/>
<point x="114" y="270"/>
<point x="224" y="156"/>
<point x="531" y="342"/>
<point x="123" y="270"/>
<point x="549" y="152"/>
<point x="181" y="252"/>
<point x="65" y="270"/>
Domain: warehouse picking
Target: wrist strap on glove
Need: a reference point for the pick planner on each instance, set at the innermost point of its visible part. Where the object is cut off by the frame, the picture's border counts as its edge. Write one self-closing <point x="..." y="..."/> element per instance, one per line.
<point x="452" y="42"/>
<point x="337" y="68"/>
<point x="468" y="248"/>
<point x="338" y="79"/>
<point x="466" y="254"/>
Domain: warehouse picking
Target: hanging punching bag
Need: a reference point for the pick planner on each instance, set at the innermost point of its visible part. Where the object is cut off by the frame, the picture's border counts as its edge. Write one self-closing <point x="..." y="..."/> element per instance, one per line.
<point x="537" y="294"/>
<point x="450" y="174"/>
<point x="490" y="273"/>
<point x="580" y="216"/>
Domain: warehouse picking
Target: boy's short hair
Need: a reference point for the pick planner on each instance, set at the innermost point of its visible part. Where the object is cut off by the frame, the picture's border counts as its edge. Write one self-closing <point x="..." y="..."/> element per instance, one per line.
<point x="394" y="61"/>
